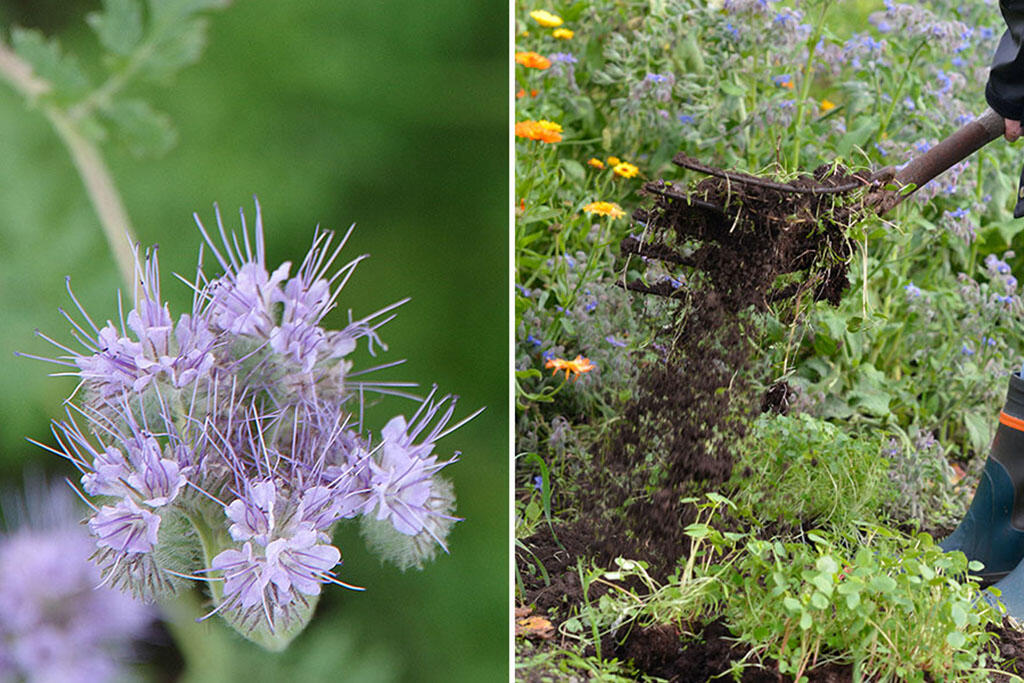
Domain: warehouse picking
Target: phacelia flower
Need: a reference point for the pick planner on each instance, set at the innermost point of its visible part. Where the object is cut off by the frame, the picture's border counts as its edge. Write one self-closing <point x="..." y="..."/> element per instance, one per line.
<point x="563" y="33"/>
<point x="625" y="169"/>
<point x="575" y="367"/>
<point x="532" y="60"/>
<point x="56" y="622"/>
<point x="605" y="209"/>
<point x="236" y="433"/>
<point x="546" y="18"/>
<point x="544" y="131"/>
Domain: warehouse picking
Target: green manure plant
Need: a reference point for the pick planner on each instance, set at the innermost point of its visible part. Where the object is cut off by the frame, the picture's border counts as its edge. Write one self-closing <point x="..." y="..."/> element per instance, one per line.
<point x="892" y="606"/>
<point x="800" y="470"/>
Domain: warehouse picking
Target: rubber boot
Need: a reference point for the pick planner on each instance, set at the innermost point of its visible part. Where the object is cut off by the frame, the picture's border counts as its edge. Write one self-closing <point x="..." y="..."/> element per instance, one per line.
<point x="992" y="531"/>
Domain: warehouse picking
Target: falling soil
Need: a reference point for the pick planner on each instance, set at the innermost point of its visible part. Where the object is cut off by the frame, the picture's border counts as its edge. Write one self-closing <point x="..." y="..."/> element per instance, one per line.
<point x="741" y="244"/>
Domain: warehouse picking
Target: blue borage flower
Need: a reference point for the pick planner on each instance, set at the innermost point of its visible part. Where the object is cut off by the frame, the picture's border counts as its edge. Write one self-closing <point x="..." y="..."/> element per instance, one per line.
<point x="236" y="435"/>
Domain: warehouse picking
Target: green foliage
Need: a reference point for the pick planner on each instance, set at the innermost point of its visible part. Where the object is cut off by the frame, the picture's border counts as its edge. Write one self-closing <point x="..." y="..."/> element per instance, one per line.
<point x="64" y="73"/>
<point x="893" y="606"/>
<point x="148" y="44"/>
<point x="118" y="26"/>
<point x="802" y="470"/>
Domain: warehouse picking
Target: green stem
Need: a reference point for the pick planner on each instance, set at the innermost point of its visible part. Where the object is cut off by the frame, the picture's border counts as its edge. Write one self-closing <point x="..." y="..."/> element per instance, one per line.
<point x="805" y="85"/>
<point x="93" y="170"/>
<point x="210" y="550"/>
<point x="899" y="90"/>
<point x="202" y="644"/>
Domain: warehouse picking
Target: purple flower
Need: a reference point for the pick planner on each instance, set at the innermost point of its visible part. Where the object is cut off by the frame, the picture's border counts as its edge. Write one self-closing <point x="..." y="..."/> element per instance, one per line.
<point x="125" y="527"/>
<point x="244" y="420"/>
<point x="401" y="474"/>
<point x="55" y="624"/>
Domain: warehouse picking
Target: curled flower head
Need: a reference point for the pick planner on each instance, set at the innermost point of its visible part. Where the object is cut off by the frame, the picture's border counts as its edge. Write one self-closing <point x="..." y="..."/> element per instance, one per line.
<point x="605" y="209"/>
<point x="235" y="433"/>
<point x="576" y="367"/>
<point x="546" y="18"/>
<point x="532" y="60"/>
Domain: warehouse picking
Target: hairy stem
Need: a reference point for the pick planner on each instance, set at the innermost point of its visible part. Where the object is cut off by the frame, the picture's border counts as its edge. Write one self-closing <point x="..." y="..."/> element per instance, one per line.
<point x="87" y="159"/>
<point x="201" y="643"/>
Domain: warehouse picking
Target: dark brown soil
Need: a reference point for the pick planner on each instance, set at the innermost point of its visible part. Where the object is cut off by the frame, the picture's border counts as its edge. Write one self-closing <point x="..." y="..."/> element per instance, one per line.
<point x="663" y="652"/>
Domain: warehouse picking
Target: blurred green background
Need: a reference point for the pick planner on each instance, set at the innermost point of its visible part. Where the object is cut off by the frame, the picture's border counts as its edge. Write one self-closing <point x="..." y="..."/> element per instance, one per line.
<point x="389" y="115"/>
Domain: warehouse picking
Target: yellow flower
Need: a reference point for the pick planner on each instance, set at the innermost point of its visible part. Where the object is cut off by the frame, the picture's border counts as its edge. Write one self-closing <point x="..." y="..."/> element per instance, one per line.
<point x="576" y="366"/>
<point x="827" y="105"/>
<point x="563" y="33"/>
<point x="596" y="163"/>
<point x="625" y="169"/>
<point x="546" y="18"/>
<point x="545" y="131"/>
<point x="612" y="161"/>
<point x="532" y="60"/>
<point x="605" y="209"/>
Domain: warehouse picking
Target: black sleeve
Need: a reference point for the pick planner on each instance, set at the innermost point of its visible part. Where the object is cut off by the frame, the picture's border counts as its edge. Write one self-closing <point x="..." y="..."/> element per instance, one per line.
<point x="1005" y="89"/>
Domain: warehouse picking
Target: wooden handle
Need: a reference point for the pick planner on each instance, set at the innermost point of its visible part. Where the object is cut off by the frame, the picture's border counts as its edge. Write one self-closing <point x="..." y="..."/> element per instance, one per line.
<point x="954" y="149"/>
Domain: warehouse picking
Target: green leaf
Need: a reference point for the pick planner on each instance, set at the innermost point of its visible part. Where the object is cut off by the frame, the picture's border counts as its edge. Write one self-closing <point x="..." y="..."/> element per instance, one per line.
<point x="48" y="61"/>
<point x="146" y="131"/>
<point x="978" y="430"/>
<point x="857" y="137"/>
<point x="177" y="46"/>
<point x="806" y="621"/>
<point x="819" y="601"/>
<point x="882" y="584"/>
<point x="118" y="26"/>
<point x="573" y="169"/>
<point x="730" y="88"/>
<point x="956" y="639"/>
<point x="959" y="615"/>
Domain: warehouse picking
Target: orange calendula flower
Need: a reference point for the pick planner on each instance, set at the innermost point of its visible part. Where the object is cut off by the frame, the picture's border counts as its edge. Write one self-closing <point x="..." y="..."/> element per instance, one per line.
<point x="827" y="105"/>
<point x="563" y="33"/>
<point x="605" y="209"/>
<point x="625" y="169"/>
<point x="576" y="366"/>
<point x="532" y="60"/>
<point x="613" y="161"/>
<point x="596" y="163"/>
<point x="546" y="18"/>
<point x="545" y="131"/>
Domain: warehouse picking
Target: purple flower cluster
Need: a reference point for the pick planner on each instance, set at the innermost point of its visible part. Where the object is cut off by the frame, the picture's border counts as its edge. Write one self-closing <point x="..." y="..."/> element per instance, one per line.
<point x="238" y="428"/>
<point x="55" y="625"/>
